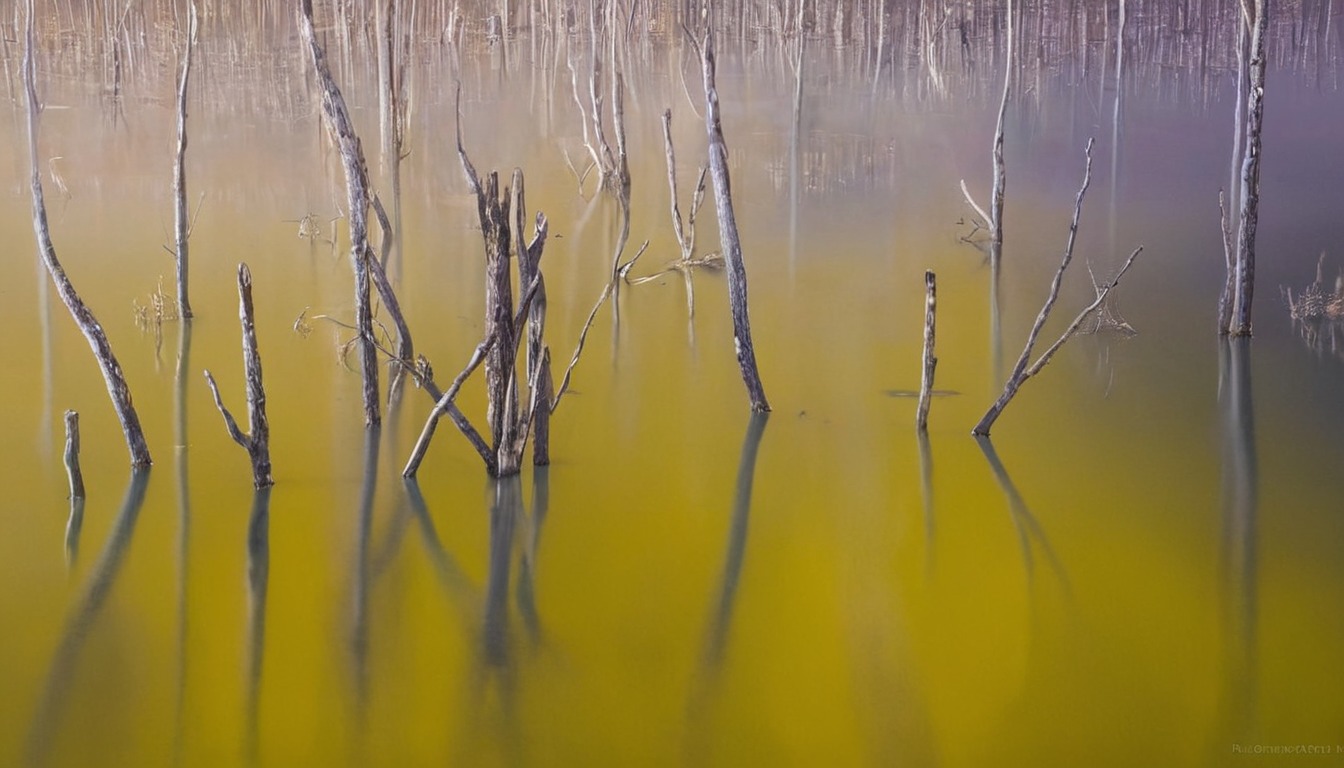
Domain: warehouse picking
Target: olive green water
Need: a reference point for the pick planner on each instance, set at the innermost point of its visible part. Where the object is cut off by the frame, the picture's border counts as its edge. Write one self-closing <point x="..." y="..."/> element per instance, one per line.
<point x="1146" y="567"/>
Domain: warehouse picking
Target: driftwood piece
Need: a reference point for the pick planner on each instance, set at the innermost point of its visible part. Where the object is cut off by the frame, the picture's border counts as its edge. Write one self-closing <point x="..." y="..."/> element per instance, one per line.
<point x="930" y="362"/>
<point x="72" y="470"/>
<point x="181" y="224"/>
<point x="728" y="236"/>
<point x="342" y="132"/>
<point x="257" y="441"/>
<point x="115" y="380"/>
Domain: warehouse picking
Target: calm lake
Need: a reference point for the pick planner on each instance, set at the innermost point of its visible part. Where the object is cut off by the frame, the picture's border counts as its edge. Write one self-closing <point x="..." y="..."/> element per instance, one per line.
<point x="1145" y="566"/>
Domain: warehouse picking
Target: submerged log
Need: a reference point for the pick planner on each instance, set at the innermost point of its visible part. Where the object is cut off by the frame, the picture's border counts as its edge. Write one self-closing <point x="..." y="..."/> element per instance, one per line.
<point x="113" y="377"/>
<point x="257" y="441"/>
<point x="728" y="236"/>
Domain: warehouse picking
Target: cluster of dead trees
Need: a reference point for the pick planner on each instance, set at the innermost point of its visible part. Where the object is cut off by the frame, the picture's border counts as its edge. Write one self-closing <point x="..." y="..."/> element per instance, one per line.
<point x="521" y="388"/>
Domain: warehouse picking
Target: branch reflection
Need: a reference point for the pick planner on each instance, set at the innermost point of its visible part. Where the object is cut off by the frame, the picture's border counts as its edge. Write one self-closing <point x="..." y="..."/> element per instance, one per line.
<point x="258" y="577"/>
<point x="720" y="622"/>
<point x="1028" y="528"/>
<point x="46" y="721"/>
<point x="1240" y="491"/>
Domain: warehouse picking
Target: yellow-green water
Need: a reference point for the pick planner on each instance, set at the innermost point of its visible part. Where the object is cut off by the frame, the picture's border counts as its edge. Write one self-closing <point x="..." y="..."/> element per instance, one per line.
<point x="1086" y="595"/>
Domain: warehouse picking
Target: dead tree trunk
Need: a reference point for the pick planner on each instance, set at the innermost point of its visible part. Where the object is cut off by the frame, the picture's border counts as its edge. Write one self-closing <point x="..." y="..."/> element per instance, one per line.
<point x="1227" y="300"/>
<point x="994" y="217"/>
<point x="72" y="469"/>
<point x="257" y="441"/>
<point x="1025" y="369"/>
<point x="342" y="133"/>
<point x="181" y="224"/>
<point x="117" y="388"/>
<point x="731" y="244"/>
<point x="1250" y="176"/>
<point x="930" y="362"/>
<point x="510" y="419"/>
<point x="538" y="356"/>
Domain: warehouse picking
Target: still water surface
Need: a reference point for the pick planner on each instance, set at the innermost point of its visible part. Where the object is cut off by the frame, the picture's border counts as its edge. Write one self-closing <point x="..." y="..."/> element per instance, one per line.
<point x="1144" y="567"/>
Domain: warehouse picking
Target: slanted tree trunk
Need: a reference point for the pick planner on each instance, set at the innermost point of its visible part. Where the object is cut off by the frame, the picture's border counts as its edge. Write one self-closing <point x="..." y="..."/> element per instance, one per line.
<point x="342" y="132"/>
<point x="117" y="388"/>
<point x="731" y="244"/>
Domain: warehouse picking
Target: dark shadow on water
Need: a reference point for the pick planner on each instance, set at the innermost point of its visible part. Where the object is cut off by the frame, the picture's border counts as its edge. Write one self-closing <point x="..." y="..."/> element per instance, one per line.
<point x="1238" y="583"/>
<point x="73" y="526"/>
<point x="450" y="574"/>
<point x="359" y="635"/>
<point x="712" y="655"/>
<point x="493" y="706"/>
<point x="258" y="577"/>
<point x="60" y="677"/>
<point x="183" y="528"/>
<point x="505" y="514"/>
<point x="1028" y="528"/>
<point x="926" y="495"/>
<point x="526" y="593"/>
<point x="722" y="619"/>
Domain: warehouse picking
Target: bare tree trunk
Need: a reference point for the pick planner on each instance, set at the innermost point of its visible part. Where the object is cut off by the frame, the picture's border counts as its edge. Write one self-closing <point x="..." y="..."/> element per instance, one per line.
<point x="1025" y="369"/>
<point x="731" y="244"/>
<point x="1250" y="176"/>
<point x="342" y="132"/>
<point x="257" y="442"/>
<point x="72" y="469"/>
<point x="1000" y="176"/>
<point x="1227" y="300"/>
<point x="930" y="362"/>
<point x="181" y="224"/>
<point x="115" y="380"/>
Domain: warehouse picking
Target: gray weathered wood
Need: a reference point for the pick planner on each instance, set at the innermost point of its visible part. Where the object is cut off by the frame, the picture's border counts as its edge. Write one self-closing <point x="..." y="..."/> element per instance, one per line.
<point x="930" y="362"/>
<point x="1000" y="176"/>
<point x="1024" y="369"/>
<point x="431" y="423"/>
<point x="113" y="377"/>
<point x="728" y="236"/>
<point x="342" y="132"/>
<point x="72" y="469"/>
<point x="181" y="225"/>
<point x="257" y="441"/>
<point x="1250" y="176"/>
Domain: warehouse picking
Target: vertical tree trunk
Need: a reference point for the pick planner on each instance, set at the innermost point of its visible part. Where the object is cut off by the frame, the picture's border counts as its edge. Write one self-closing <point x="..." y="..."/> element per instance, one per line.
<point x="182" y="226"/>
<point x="257" y="442"/>
<point x="1250" y="176"/>
<point x="72" y="469"/>
<point x="930" y="362"/>
<point x="1227" y="300"/>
